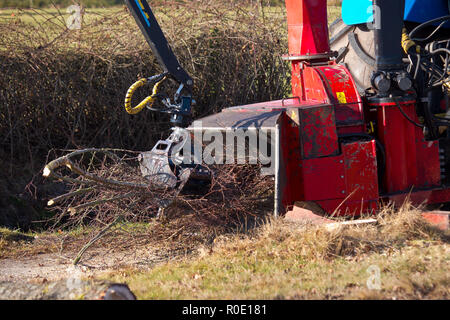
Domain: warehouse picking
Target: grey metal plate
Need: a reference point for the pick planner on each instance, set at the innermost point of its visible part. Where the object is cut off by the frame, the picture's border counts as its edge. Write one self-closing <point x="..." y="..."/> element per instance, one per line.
<point x="232" y="120"/>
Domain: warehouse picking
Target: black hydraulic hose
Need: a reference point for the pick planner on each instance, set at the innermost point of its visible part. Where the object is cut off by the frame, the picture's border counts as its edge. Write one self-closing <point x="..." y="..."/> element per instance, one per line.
<point x="423" y="25"/>
<point x="407" y="117"/>
<point x="442" y="77"/>
<point x="431" y="34"/>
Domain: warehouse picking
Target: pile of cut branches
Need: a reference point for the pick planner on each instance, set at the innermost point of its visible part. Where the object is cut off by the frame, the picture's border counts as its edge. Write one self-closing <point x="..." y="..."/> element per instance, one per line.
<point x="104" y="184"/>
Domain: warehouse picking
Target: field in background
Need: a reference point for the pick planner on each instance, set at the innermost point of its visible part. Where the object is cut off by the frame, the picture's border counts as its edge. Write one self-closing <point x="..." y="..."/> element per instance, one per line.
<point x="52" y="15"/>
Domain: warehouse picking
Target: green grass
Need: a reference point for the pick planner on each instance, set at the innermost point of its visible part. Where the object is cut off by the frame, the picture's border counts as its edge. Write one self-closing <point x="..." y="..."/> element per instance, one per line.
<point x="14" y="235"/>
<point x="14" y="241"/>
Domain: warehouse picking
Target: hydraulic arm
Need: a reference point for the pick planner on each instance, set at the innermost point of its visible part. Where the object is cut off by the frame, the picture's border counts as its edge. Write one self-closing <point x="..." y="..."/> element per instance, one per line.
<point x="152" y="32"/>
<point x="180" y="108"/>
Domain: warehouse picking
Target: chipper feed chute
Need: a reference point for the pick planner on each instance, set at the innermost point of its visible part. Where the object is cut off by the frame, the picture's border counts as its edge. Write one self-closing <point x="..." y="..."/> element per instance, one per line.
<point x="297" y="143"/>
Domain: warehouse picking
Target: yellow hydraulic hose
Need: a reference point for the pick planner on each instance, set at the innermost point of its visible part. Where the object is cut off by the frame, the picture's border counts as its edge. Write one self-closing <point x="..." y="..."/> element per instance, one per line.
<point x="147" y="101"/>
<point x="407" y="43"/>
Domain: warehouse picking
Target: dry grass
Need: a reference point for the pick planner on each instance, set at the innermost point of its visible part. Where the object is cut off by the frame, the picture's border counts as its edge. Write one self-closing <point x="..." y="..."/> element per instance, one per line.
<point x="281" y="260"/>
<point x="14" y="244"/>
<point x="277" y="260"/>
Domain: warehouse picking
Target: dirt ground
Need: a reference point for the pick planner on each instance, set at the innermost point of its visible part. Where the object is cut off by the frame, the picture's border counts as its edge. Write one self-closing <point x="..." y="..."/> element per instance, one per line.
<point x="53" y="267"/>
<point x="53" y="276"/>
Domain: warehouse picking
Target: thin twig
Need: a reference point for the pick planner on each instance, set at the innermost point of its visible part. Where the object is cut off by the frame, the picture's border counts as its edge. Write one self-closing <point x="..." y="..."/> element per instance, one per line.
<point x="74" y="210"/>
<point x="68" y="195"/>
<point x="96" y="238"/>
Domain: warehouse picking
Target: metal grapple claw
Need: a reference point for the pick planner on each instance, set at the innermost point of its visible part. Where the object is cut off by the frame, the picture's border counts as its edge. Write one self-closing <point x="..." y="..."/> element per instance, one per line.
<point x="169" y="166"/>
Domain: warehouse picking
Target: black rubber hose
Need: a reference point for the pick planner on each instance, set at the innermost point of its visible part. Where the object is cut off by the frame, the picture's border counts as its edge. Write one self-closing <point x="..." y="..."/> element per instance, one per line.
<point x="407" y="117"/>
<point x="427" y="23"/>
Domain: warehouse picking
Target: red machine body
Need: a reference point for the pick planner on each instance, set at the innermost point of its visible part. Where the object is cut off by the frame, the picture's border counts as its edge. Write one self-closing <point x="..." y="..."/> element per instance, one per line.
<point x="326" y="154"/>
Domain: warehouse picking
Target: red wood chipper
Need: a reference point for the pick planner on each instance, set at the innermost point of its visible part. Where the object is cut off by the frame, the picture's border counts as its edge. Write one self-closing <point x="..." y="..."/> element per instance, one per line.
<point x="332" y="145"/>
<point x="339" y="146"/>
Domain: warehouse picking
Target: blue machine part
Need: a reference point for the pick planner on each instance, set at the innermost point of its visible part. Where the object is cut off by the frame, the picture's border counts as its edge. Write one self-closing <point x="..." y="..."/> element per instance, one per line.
<point x="357" y="11"/>
<point x="360" y="11"/>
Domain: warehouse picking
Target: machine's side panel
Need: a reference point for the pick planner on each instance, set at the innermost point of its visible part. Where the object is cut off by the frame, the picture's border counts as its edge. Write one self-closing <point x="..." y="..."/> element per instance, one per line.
<point x="361" y="175"/>
<point x="428" y="162"/>
<point x="318" y="133"/>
